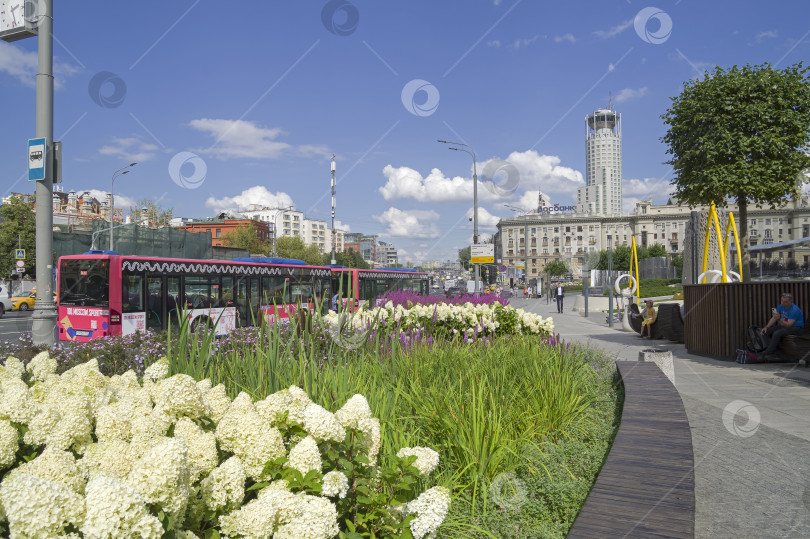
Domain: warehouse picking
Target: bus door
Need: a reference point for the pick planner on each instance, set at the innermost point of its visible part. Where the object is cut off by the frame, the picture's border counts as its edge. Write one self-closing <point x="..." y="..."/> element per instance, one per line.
<point x="133" y="306"/>
<point x="155" y="302"/>
<point x="275" y="298"/>
<point x="254" y="300"/>
<point x="241" y="301"/>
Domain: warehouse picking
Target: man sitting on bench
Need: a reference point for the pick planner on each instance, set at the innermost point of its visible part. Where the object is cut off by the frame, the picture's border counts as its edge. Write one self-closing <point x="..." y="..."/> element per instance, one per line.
<point x="787" y="319"/>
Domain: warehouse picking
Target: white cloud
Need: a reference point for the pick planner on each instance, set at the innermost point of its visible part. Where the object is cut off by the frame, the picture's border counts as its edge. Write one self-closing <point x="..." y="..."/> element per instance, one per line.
<point x="525" y="42"/>
<point x="565" y="37"/>
<point x="121" y="201"/>
<point x="130" y="149"/>
<point x="629" y="93"/>
<point x="409" y="223"/>
<point x="634" y="190"/>
<point x="258" y="194"/>
<point x="534" y="172"/>
<point x="23" y="65"/>
<point x="243" y="139"/>
<point x="485" y="219"/>
<point x="766" y="34"/>
<point x="614" y="30"/>
<point x="496" y="43"/>
<point x="340" y="225"/>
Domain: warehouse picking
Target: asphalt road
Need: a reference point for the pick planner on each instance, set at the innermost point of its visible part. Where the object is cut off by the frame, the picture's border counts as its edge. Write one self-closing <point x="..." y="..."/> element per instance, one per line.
<point x="13" y="323"/>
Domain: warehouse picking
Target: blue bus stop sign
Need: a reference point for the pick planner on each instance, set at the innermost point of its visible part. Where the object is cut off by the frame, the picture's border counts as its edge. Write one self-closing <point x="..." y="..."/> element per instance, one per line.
<point x="36" y="158"/>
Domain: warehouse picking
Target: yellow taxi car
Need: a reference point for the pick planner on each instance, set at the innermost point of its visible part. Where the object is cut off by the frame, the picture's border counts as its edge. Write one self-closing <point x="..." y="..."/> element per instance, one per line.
<point x="26" y="300"/>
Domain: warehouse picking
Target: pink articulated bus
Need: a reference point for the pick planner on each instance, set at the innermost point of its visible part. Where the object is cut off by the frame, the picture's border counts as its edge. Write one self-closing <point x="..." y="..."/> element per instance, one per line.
<point x="102" y="293"/>
<point x="358" y="286"/>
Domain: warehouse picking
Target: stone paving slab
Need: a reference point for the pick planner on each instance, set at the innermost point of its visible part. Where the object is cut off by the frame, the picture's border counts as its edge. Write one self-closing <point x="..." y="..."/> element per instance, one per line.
<point x="750" y="430"/>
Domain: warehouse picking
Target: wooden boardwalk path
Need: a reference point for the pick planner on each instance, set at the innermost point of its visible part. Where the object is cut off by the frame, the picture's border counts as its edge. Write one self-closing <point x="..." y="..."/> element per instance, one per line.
<point x="646" y="487"/>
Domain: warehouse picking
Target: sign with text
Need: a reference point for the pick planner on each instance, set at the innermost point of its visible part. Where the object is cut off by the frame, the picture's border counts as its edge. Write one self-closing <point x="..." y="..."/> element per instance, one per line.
<point x="482" y="253"/>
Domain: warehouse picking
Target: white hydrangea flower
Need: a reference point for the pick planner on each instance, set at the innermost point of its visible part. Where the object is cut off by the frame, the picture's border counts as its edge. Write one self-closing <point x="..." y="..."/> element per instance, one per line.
<point x="179" y="396"/>
<point x="317" y="519"/>
<point x="162" y="476"/>
<point x="42" y="366"/>
<point x="227" y="430"/>
<point x="86" y="381"/>
<point x="224" y="488"/>
<point x="260" y="517"/>
<point x="204" y="386"/>
<point x="217" y="401"/>
<point x="112" y="458"/>
<point x="373" y="436"/>
<point x="9" y="443"/>
<point x="335" y="483"/>
<point x="55" y="465"/>
<point x="115" y="509"/>
<point x="37" y="507"/>
<point x="75" y="428"/>
<point x="258" y="443"/>
<point x="202" y="448"/>
<point x="431" y="508"/>
<point x="321" y="424"/>
<point x="157" y="371"/>
<point x="355" y="411"/>
<point x="12" y="369"/>
<point x="305" y="456"/>
<point x="185" y="534"/>
<point x="426" y="458"/>
<point x="16" y="402"/>
<point x="114" y="421"/>
<point x="293" y="400"/>
<point x="42" y="423"/>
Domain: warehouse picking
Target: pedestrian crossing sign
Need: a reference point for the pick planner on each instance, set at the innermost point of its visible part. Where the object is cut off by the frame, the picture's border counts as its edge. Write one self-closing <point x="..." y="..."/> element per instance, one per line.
<point x="20" y="254"/>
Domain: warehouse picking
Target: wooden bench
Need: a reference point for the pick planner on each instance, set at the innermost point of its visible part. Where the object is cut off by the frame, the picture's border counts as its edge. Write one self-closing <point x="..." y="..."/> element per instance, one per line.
<point x="668" y="322"/>
<point x="796" y="347"/>
<point x="646" y="487"/>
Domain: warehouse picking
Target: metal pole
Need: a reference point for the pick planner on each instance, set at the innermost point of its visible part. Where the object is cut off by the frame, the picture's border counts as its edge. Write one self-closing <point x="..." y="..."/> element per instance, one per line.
<point x="477" y="274"/>
<point x="44" y="316"/>
<point x="610" y="276"/>
<point x="585" y="277"/>
<point x="695" y="236"/>
<point x="526" y="249"/>
<point x="334" y="261"/>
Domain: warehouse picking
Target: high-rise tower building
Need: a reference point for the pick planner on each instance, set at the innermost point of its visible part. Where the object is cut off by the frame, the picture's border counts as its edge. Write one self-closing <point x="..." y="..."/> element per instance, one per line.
<point x="602" y="194"/>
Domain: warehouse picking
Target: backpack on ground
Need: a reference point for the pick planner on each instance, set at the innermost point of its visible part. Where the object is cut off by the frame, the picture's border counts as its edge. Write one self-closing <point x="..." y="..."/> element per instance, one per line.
<point x="756" y="340"/>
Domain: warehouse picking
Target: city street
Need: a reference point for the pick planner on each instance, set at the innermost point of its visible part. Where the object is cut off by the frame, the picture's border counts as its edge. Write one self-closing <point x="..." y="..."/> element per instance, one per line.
<point x="14" y="323"/>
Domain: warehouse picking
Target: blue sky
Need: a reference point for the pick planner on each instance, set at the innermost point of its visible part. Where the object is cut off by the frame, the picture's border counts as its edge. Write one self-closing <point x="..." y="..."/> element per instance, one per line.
<point x="226" y="104"/>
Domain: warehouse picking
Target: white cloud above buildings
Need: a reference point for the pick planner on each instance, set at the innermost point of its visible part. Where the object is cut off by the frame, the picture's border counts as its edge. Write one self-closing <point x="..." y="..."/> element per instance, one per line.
<point x="629" y="93"/>
<point x="130" y="149"/>
<point x="121" y="201"/>
<point x="241" y="139"/>
<point x="533" y="171"/>
<point x="409" y="223"/>
<point x="23" y="66"/>
<point x="613" y="31"/>
<point x="565" y="37"/>
<point x="258" y="194"/>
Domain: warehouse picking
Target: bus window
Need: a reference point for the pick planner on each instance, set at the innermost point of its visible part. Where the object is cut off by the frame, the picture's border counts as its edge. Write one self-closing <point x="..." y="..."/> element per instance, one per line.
<point x="84" y="282"/>
<point x="202" y="292"/>
<point x="255" y="314"/>
<point x="240" y="300"/>
<point x="132" y="293"/>
<point x="302" y="291"/>
<point x="367" y="290"/>
<point x="154" y="303"/>
<point x="273" y="291"/>
<point x="226" y="298"/>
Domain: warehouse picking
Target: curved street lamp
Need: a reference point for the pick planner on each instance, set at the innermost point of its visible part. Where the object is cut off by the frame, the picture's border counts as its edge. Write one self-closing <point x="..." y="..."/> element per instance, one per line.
<point x="470" y="151"/>
<point x="119" y="172"/>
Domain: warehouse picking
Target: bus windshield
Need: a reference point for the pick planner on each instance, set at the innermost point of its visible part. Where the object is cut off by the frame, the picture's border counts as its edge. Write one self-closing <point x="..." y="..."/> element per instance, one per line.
<point x="84" y="282"/>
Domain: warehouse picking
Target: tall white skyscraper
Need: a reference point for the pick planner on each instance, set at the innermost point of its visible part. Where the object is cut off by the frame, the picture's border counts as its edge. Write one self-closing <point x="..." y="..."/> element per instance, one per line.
<point x="602" y="195"/>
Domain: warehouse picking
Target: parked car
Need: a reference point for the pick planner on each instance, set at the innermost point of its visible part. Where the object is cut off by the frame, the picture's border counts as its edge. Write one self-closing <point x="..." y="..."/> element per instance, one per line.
<point x="5" y="305"/>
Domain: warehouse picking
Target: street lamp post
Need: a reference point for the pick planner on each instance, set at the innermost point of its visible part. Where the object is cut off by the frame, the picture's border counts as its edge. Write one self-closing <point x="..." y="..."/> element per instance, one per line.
<point x="469" y="150"/>
<point x="610" y="276"/>
<point x="119" y="172"/>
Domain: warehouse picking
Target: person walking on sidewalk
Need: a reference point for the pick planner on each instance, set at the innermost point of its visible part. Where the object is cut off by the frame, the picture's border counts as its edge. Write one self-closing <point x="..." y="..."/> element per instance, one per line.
<point x="560" y="296"/>
<point x="787" y="319"/>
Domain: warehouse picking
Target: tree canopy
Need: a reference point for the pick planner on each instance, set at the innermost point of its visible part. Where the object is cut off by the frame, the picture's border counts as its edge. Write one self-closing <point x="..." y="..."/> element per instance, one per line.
<point x="556" y="268"/>
<point x="18" y="227"/>
<point x="350" y="259"/>
<point x="294" y="247"/>
<point x="465" y="257"/>
<point x="246" y="237"/>
<point x="740" y="134"/>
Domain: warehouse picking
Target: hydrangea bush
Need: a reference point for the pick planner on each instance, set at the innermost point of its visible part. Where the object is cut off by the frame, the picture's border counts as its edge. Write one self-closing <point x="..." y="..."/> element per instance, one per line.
<point x="467" y="321"/>
<point x="86" y="455"/>
<point x="408" y="298"/>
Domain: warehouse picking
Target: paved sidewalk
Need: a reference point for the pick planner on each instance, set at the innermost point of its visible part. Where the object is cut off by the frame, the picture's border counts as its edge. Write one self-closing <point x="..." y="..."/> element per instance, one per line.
<point x="750" y="430"/>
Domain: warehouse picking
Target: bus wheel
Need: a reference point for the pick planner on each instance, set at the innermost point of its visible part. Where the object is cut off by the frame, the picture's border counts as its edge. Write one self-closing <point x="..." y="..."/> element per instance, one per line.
<point x="201" y="323"/>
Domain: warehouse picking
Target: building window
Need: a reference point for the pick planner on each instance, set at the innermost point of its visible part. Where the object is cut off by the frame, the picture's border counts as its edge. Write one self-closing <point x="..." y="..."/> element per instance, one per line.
<point x="753" y="222"/>
<point x="767" y="222"/>
<point x="219" y="232"/>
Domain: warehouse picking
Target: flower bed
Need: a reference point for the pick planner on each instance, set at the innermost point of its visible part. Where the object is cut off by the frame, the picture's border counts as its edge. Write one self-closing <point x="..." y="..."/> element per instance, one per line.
<point x="92" y="456"/>
<point x="407" y="298"/>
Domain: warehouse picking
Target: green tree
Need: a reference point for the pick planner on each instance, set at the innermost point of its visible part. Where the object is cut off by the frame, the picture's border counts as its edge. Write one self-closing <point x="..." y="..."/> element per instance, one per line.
<point x="677" y="262"/>
<point x="740" y="134"/>
<point x="157" y="215"/>
<point x="654" y="250"/>
<point x="294" y="247"/>
<point x="350" y="259"/>
<point x="247" y="237"/>
<point x="556" y="267"/>
<point x="18" y="226"/>
<point x="465" y="257"/>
